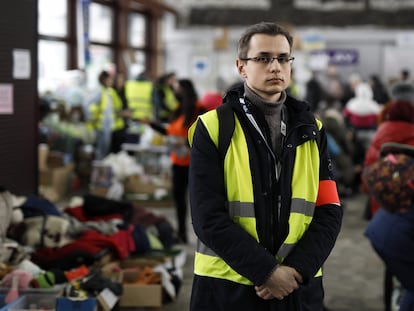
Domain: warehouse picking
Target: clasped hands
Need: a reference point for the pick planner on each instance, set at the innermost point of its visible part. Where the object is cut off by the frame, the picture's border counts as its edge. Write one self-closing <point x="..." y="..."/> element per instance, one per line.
<point x="282" y="282"/>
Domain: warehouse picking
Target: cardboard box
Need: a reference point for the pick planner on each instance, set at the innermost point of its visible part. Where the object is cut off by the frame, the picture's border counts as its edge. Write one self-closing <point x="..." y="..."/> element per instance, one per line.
<point x="139" y="184"/>
<point x="57" y="159"/>
<point x="134" y="295"/>
<point x="43" y="152"/>
<point x="55" y="182"/>
<point x="99" y="191"/>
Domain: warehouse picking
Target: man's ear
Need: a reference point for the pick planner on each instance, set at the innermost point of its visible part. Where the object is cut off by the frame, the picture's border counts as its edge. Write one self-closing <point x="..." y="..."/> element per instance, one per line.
<point x="240" y="68"/>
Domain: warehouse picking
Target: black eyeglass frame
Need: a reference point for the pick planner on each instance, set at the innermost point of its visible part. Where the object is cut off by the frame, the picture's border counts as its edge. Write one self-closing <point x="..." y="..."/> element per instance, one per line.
<point x="282" y="60"/>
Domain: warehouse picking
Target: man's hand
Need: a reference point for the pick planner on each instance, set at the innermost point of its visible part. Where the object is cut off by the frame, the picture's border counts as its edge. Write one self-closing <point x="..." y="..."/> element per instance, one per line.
<point x="282" y="282"/>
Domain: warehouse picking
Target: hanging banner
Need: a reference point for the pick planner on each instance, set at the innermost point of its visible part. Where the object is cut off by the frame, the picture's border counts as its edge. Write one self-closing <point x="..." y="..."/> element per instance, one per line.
<point x="82" y="23"/>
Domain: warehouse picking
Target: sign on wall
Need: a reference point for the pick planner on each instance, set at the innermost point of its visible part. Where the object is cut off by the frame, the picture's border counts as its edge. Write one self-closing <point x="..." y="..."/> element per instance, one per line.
<point x="338" y="57"/>
<point x="6" y="98"/>
<point x="329" y="5"/>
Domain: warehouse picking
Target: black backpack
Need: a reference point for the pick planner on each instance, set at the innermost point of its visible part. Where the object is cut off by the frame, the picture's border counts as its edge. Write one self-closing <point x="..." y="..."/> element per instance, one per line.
<point x="226" y="128"/>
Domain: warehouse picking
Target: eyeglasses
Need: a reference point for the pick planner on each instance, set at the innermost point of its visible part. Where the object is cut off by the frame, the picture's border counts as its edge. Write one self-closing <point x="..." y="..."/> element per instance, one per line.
<point x="265" y="60"/>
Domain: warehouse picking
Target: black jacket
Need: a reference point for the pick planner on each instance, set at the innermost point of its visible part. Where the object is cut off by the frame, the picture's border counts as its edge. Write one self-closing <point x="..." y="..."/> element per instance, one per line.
<point x="214" y="227"/>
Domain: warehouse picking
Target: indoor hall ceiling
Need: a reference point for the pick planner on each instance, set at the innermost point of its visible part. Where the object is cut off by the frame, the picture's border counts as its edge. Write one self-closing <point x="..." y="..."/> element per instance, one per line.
<point x="384" y="13"/>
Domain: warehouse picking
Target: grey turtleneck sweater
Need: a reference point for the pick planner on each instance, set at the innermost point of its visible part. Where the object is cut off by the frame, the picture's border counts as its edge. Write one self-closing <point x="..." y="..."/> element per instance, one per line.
<point x="272" y="114"/>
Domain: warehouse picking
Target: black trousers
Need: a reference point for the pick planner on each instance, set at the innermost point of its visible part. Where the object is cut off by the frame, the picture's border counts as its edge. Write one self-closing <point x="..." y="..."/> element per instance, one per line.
<point x="180" y="189"/>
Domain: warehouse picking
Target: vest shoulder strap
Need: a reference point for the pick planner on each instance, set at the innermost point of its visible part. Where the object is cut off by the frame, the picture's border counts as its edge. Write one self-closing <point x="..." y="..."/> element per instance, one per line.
<point x="226" y="128"/>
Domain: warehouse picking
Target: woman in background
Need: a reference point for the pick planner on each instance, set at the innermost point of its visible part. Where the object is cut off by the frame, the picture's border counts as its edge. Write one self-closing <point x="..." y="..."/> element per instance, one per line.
<point x="177" y="130"/>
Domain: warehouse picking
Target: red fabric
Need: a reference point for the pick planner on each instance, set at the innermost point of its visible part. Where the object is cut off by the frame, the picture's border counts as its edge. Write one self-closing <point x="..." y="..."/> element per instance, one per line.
<point x="327" y="193"/>
<point x="121" y="242"/>
<point x="400" y="111"/>
<point x="76" y="273"/>
<point x="90" y="242"/>
<point x="388" y="131"/>
<point x="359" y="121"/>
<point x="177" y="128"/>
<point x="211" y="100"/>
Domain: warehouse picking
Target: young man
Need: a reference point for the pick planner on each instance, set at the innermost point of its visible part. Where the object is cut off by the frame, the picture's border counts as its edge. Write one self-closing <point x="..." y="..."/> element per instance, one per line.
<point x="268" y="214"/>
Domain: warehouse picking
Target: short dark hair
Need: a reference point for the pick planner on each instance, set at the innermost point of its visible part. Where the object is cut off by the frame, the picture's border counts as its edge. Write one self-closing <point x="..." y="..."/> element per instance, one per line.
<point x="266" y="28"/>
<point x="103" y="75"/>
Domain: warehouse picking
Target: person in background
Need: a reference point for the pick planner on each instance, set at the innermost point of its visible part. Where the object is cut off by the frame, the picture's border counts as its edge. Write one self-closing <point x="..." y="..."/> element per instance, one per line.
<point x="267" y="215"/>
<point x="105" y="115"/>
<point x="350" y="86"/>
<point x="405" y="75"/>
<point x="293" y="89"/>
<point x="391" y="229"/>
<point x="119" y="136"/>
<point x="163" y="97"/>
<point x="138" y="95"/>
<point x="361" y="113"/>
<point x="379" y="91"/>
<point x="347" y="165"/>
<point x="176" y="131"/>
<point x="332" y="83"/>
<point x="314" y="92"/>
<point x="391" y="235"/>
<point x="396" y="124"/>
<point x="119" y="87"/>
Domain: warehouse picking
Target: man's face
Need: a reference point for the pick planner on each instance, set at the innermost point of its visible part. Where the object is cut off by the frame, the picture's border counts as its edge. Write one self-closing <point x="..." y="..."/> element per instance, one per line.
<point x="266" y="80"/>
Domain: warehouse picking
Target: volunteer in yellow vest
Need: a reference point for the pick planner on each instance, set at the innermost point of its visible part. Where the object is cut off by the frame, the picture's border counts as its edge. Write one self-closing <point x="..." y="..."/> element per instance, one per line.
<point x="268" y="214"/>
<point x="138" y="94"/>
<point x="105" y="115"/>
<point x="163" y="97"/>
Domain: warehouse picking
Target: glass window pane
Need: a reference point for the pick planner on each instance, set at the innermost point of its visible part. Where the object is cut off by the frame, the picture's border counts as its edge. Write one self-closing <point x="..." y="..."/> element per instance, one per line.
<point x="137" y="30"/>
<point x="53" y="15"/>
<point x="135" y="62"/>
<point x="52" y="62"/>
<point x="101" y="23"/>
<point x="102" y="58"/>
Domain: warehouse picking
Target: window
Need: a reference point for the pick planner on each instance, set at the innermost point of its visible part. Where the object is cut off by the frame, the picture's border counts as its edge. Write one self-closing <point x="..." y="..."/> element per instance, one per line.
<point x="101" y="59"/>
<point x="53" y="52"/>
<point x="101" y="23"/>
<point x="118" y="39"/>
<point x="137" y="30"/>
<point x="52" y="63"/>
<point x="53" y="16"/>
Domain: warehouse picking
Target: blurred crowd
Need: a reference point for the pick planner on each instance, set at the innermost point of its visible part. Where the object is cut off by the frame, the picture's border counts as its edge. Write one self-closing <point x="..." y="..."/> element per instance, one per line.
<point x="352" y="111"/>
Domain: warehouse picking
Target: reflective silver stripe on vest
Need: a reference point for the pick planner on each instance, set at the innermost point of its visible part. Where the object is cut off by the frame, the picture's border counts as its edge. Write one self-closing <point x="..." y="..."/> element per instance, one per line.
<point x="203" y="249"/>
<point x="242" y="209"/>
<point x="302" y="206"/>
<point x="299" y="206"/>
<point x="284" y="250"/>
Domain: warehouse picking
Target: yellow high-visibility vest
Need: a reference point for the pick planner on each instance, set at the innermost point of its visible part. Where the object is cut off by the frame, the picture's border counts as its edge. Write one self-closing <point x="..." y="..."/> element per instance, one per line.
<point x="97" y="110"/>
<point x="138" y="95"/>
<point x="240" y="197"/>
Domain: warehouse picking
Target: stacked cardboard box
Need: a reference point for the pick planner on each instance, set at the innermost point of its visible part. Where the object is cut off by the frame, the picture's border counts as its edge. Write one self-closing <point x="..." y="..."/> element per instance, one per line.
<point x="135" y="294"/>
<point x="55" y="173"/>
